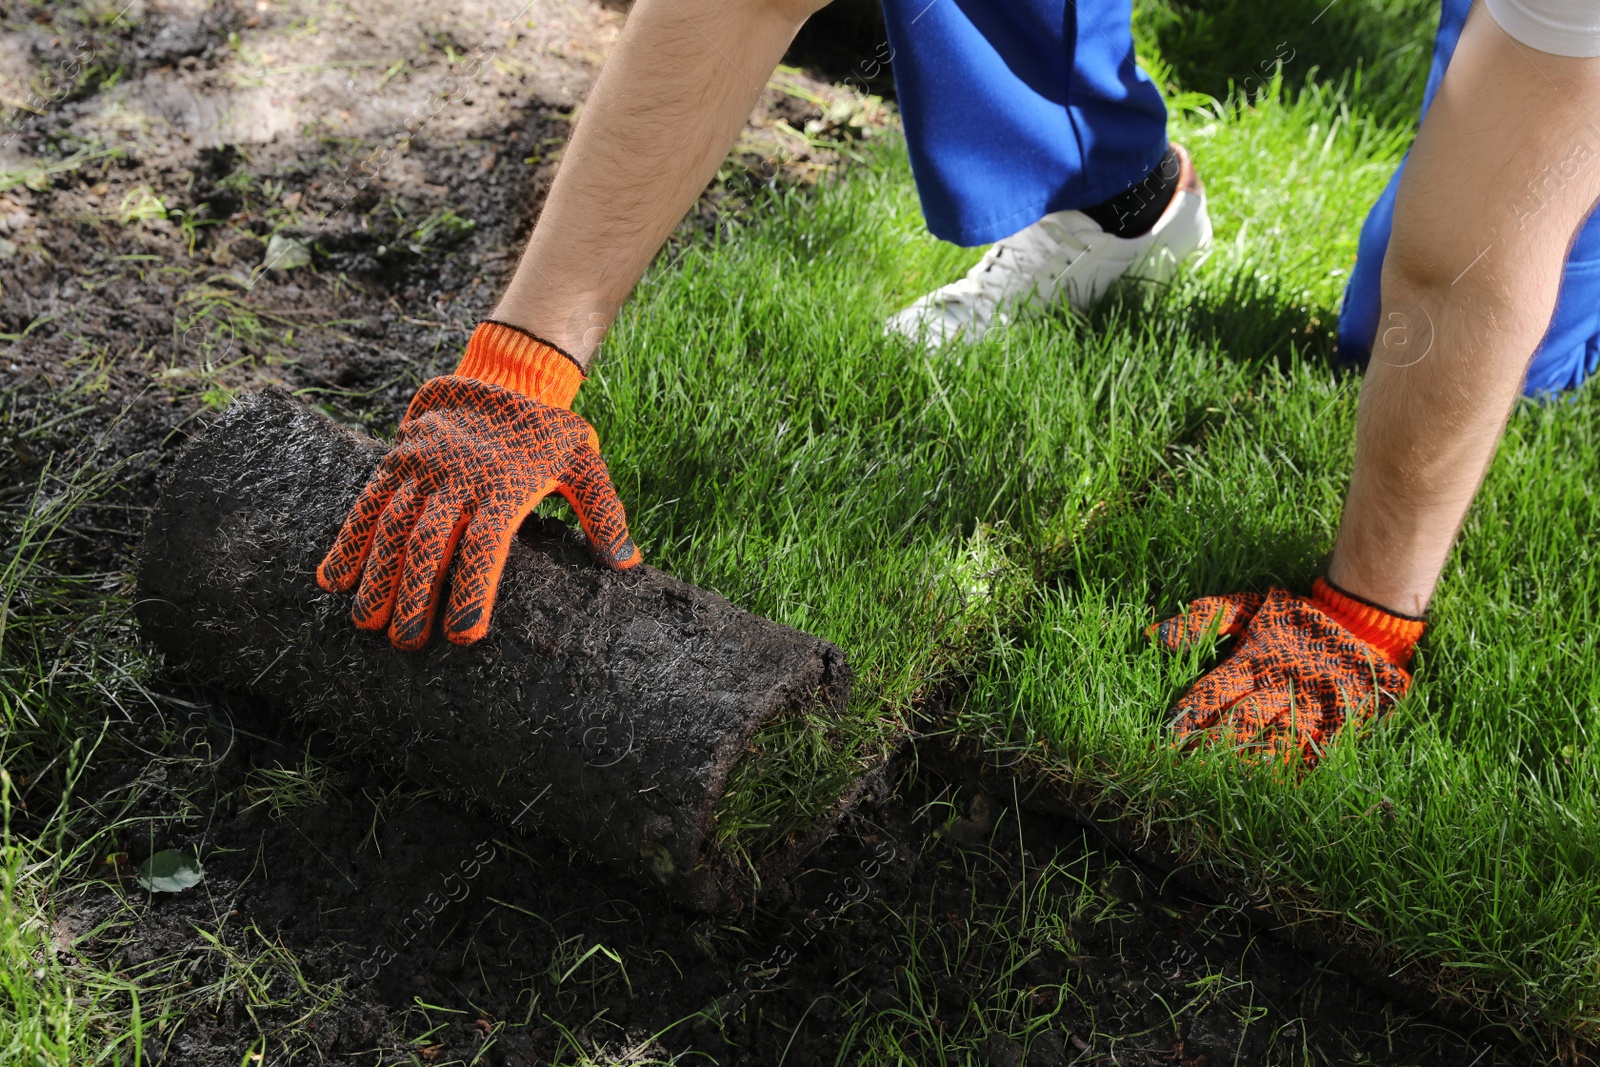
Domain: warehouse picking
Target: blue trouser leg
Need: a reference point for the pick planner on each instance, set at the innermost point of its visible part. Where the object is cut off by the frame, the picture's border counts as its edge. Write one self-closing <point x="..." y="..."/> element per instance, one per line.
<point x="1017" y="108"/>
<point x="1571" y="347"/>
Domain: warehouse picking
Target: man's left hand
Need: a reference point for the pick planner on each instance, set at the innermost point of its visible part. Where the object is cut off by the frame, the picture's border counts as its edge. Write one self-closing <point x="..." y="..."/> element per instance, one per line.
<point x="1304" y="667"/>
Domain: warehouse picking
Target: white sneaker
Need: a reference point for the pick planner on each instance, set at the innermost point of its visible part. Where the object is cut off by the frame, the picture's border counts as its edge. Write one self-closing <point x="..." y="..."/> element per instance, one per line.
<point x="1064" y="255"/>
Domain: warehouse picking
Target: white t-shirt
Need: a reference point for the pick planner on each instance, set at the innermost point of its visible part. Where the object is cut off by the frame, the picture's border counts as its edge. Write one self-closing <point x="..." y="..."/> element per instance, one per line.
<point x="1560" y="27"/>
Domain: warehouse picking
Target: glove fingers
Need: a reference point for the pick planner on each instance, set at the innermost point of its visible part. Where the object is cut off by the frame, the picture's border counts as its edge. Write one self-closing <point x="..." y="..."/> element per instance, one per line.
<point x="587" y="487"/>
<point x="1196" y="715"/>
<point x="341" y="567"/>
<point x="1325" y="709"/>
<point x="1257" y="720"/>
<point x="380" y="575"/>
<point x="1290" y="725"/>
<point x="1263" y="719"/>
<point x="428" y="550"/>
<point x="1229" y="615"/>
<point x="1285" y="723"/>
<point x="481" y="558"/>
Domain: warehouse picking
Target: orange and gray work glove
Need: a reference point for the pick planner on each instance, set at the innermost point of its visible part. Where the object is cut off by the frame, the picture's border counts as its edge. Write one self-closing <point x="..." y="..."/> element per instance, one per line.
<point x="1304" y="666"/>
<point x="476" y="452"/>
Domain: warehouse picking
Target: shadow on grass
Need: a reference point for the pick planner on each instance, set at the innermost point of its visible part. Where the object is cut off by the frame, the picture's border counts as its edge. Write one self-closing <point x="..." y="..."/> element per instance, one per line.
<point x="1231" y="542"/>
<point x="1246" y="318"/>
<point x="1229" y="547"/>
<point x="1212" y="46"/>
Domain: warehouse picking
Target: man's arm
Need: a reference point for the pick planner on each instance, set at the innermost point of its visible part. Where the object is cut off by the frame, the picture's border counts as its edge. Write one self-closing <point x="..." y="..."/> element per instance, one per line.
<point x="1504" y="171"/>
<point x="480" y="448"/>
<point x="663" y="114"/>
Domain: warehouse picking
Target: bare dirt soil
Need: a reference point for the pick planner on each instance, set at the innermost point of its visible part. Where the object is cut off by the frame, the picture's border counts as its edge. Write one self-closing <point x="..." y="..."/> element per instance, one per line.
<point x="415" y="927"/>
<point x="206" y="198"/>
<point x="216" y="197"/>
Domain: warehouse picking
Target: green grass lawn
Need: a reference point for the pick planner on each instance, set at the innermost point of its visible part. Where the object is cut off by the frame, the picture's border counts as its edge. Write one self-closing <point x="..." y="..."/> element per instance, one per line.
<point x="1013" y="515"/>
<point x="1017" y="513"/>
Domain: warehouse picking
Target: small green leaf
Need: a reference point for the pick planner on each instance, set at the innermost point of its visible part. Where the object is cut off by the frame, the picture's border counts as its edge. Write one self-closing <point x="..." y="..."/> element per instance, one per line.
<point x="170" y="871"/>
<point x="286" y="253"/>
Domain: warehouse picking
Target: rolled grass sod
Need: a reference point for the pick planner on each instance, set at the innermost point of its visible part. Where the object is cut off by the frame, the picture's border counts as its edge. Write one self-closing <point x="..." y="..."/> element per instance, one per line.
<point x="612" y="706"/>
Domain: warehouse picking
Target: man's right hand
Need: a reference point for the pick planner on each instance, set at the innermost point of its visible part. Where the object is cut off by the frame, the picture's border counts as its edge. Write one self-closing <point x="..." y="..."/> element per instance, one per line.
<point x="477" y="451"/>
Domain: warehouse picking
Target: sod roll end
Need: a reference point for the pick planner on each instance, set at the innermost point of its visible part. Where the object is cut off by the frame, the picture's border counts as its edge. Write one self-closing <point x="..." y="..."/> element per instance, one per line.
<point x="613" y="710"/>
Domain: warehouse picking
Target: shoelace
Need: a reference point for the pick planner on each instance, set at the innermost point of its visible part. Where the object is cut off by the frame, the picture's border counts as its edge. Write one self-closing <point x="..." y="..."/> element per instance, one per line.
<point x="1014" y="258"/>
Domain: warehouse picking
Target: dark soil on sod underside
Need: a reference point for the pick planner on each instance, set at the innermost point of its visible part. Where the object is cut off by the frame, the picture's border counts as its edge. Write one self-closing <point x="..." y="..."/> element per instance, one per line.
<point x="350" y="918"/>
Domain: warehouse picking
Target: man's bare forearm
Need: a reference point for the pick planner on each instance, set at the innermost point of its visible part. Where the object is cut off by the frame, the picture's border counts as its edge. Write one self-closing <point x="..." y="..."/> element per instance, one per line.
<point x="663" y="114"/>
<point x="1469" y="285"/>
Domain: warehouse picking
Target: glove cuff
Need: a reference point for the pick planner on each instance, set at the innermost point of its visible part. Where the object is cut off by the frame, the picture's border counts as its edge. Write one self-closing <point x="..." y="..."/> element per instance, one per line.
<point x="1394" y="636"/>
<point x="514" y="359"/>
